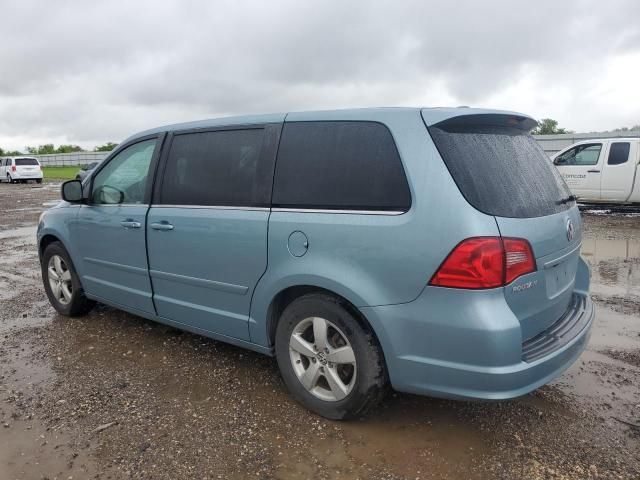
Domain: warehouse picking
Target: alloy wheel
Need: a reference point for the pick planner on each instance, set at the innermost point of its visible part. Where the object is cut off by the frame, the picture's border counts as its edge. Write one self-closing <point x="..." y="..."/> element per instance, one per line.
<point x="60" y="279"/>
<point x="322" y="359"/>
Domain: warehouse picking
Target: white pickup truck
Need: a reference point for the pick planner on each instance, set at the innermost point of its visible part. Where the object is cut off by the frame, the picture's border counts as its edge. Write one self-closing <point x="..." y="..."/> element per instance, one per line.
<point x="602" y="171"/>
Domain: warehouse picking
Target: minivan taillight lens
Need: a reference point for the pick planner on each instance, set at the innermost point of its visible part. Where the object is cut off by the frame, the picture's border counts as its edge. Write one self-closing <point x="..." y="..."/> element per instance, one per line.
<point x="518" y="259"/>
<point x="485" y="262"/>
<point x="13" y="168"/>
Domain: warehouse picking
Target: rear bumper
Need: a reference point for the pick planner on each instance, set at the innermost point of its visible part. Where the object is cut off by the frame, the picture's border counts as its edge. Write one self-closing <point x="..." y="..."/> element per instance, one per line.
<point x="26" y="176"/>
<point x="433" y="347"/>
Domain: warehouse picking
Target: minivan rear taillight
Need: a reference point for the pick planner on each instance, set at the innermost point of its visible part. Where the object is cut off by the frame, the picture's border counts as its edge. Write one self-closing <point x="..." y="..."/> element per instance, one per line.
<point x="13" y="168"/>
<point x="518" y="259"/>
<point x="485" y="262"/>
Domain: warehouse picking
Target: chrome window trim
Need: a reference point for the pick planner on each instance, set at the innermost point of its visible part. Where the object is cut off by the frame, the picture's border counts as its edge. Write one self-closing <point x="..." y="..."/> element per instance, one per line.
<point x="115" y="205"/>
<point x="213" y="207"/>
<point x="288" y="210"/>
<point x="350" y="212"/>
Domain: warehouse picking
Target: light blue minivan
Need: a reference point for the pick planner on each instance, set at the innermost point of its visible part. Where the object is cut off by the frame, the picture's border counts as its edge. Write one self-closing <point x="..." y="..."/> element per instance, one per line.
<point x="434" y="250"/>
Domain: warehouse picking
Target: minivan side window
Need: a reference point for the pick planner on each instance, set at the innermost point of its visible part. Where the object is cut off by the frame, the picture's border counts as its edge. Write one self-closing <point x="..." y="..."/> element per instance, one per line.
<point x="586" y="154"/>
<point x="216" y="168"/>
<point x="339" y="165"/>
<point x="124" y="178"/>
<point x="618" y="153"/>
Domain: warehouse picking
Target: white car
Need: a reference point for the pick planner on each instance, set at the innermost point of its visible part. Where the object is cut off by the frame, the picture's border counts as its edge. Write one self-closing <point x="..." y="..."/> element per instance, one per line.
<point x="602" y="171"/>
<point x="20" y="169"/>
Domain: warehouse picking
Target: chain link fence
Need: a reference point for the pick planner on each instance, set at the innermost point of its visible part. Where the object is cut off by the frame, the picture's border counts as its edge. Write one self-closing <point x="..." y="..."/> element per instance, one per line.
<point x="70" y="159"/>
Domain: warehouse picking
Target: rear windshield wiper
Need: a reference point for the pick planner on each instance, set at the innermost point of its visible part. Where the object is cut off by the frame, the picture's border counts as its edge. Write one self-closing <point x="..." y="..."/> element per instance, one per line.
<point x="570" y="198"/>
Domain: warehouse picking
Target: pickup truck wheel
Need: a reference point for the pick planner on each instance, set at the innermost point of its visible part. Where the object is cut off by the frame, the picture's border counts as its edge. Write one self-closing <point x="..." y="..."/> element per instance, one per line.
<point x="61" y="282"/>
<point x="330" y="363"/>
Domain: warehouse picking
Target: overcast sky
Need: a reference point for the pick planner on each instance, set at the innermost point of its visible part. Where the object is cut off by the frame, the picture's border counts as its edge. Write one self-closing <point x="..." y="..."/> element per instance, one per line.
<point x="90" y="72"/>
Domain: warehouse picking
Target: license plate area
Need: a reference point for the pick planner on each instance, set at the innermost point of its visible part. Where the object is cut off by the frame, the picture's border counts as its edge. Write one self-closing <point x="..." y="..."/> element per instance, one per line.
<point x="560" y="275"/>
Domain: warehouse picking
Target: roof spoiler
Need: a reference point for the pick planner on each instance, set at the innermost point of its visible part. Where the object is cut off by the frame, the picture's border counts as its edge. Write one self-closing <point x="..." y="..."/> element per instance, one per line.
<point x="462" y="123"/>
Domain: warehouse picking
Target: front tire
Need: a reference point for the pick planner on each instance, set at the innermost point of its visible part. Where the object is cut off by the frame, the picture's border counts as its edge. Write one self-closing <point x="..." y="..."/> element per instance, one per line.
<point x="38" y="180"/>
<point x="61" y="282"/>
<point x="331" y="364"/>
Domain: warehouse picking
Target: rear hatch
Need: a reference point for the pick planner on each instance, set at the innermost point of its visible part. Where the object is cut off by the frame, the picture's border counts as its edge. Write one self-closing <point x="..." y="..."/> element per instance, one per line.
<point x="27" y="166"/>
<point x="502" y="171"/>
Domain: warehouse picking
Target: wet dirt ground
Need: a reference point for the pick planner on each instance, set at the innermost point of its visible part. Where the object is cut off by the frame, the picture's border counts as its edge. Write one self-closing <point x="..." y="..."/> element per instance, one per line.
<point x="112" y="396"/>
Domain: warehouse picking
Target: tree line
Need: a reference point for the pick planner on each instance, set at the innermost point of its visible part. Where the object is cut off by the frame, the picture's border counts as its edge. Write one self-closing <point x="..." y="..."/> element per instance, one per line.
<point x="549" y="126"/>
<point x="49" y="148"/>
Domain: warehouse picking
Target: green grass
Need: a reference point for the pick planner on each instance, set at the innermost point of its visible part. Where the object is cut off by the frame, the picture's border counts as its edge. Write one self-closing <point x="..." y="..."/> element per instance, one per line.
<point x="60" y="173"/>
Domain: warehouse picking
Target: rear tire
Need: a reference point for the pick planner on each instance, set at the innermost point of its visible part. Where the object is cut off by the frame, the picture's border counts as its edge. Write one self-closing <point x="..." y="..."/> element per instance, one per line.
<point x="9" y="179"/>
<point x="321" y="343"/>
<point x="61" y="282"/>
<point x="38" y="180"/>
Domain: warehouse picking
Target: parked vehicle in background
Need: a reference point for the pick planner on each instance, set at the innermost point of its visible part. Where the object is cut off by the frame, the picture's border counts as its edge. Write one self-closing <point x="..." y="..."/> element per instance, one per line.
<point x="20" y="169"/>
<point x="86" y="170"/>
<point x="602" y="171"/>
<point x="435" y="249"/>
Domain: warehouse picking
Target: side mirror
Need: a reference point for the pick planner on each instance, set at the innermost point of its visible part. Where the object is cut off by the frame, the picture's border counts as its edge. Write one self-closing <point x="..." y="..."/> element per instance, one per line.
<point x="72" y="191"/>
<point x="108" y="195"/>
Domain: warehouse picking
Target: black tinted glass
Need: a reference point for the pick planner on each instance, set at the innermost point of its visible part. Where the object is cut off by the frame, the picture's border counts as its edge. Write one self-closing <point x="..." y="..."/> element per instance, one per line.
<point x="502" y="170"/>
<point x="216" y="168"/>
<point x="22" y="162"/>
<point x="618" y="153"/>
<point x="339" y="165"/>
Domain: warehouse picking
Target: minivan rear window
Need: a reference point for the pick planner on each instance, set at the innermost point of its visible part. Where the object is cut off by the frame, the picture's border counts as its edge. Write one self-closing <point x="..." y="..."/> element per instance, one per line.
<point x="339" y="165"/>
<point x="23" y="162"/>
<point x="501" y="170"/>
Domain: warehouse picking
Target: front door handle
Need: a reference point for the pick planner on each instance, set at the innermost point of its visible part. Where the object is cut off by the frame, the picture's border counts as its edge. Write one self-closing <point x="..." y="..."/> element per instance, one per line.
<point x="593" y="171"/>
<point x="130" y="223"/>
<point x="162" y="226"/>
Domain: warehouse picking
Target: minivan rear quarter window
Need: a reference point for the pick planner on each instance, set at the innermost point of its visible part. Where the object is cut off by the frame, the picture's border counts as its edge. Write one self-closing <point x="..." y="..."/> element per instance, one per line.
<point x="339" y="165"/>
<point x="23" y="162"/>
<point x="216" y="168"/>
<point x="499" y="168"/>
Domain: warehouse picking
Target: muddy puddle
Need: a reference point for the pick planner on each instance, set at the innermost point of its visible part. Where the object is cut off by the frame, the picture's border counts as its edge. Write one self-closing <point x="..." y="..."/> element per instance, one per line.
<point x="615" y="265"/>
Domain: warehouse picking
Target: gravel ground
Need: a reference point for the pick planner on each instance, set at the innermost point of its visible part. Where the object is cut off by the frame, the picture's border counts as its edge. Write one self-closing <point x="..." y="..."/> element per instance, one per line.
<point x="113" y="396"/>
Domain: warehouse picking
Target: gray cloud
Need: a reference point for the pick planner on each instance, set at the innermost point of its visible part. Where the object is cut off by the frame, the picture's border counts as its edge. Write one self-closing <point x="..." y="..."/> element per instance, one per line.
<point x="88" y="72"/>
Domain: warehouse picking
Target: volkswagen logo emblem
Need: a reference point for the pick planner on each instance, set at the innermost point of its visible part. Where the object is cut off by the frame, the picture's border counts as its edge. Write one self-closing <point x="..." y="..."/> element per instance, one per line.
<point x="571" y="231"/>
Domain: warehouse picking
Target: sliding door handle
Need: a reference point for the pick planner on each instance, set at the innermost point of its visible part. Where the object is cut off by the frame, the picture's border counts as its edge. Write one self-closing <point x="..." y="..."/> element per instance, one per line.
<point x="162" y="226"/>
<point x="593" y="171"/>
<point x="129" y="223"/>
